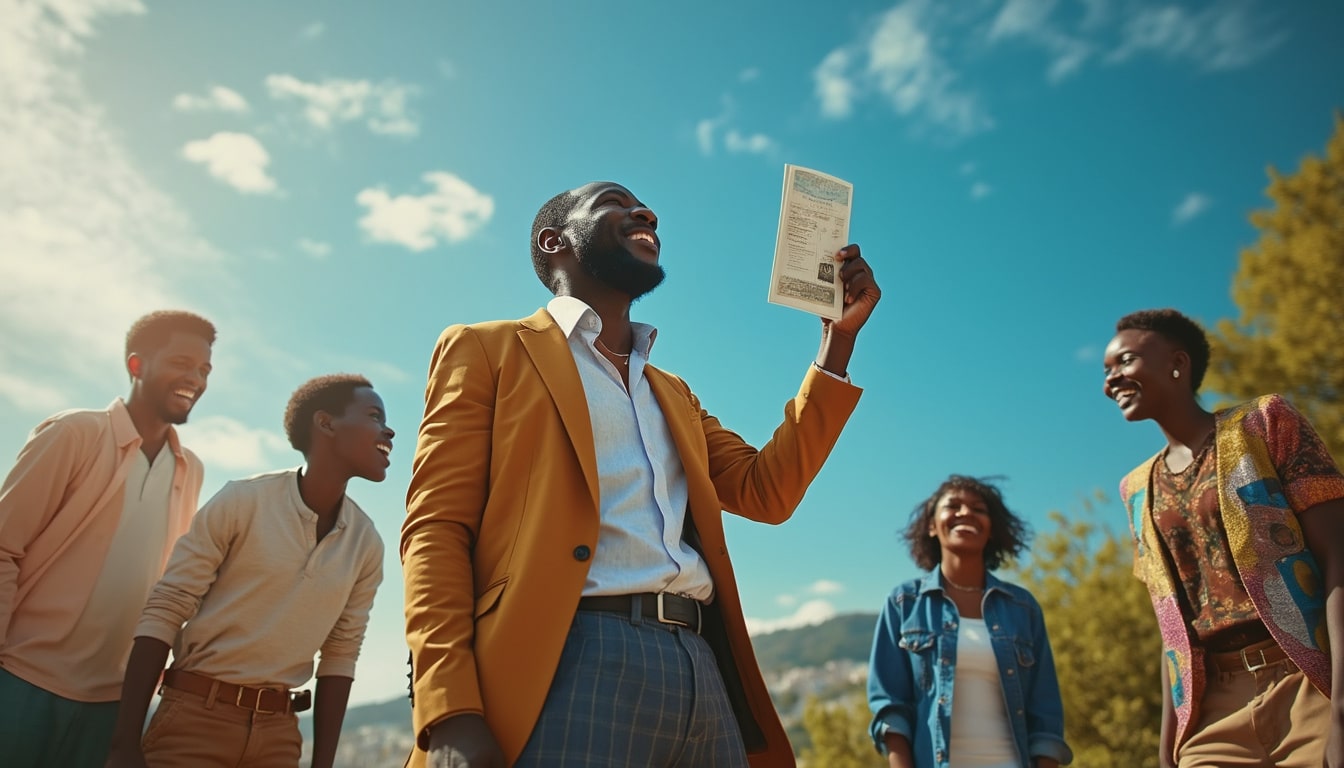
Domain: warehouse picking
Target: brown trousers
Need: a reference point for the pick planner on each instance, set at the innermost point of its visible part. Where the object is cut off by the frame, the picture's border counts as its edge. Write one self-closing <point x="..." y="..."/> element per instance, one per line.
<point x="1272" y="717"/>
<point x="188" y="731"/>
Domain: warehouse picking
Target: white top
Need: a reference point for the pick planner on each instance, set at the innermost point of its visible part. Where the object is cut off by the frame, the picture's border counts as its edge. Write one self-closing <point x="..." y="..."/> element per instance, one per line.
<point x="981" y="736"/>
<point x="99" y="644"/>
<point x="259" y="594"/>
<point x="641" y="480"/>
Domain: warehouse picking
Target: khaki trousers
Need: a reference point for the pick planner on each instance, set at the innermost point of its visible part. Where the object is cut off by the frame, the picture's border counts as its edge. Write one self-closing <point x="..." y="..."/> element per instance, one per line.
<point x="1272" y="717"/>
<point x="188" y="731"/>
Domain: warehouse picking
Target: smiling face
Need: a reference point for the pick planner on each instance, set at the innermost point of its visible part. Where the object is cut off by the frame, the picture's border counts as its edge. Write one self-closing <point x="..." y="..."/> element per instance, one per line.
<point x="171" y="379"/>
<point x="615" y="240"/>
<point x="961" y="522"/>
<point x="361" y="438"/>
<point x="1138" y="368"/>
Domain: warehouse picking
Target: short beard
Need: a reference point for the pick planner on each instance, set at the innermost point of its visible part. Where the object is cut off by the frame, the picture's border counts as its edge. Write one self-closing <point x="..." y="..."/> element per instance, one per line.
<point x="625" y="273"/>
<point x="172" y="418"/>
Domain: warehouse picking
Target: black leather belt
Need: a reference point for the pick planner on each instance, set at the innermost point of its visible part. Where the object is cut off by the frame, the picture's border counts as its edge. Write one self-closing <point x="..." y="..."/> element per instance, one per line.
<point x="662" y="607"/>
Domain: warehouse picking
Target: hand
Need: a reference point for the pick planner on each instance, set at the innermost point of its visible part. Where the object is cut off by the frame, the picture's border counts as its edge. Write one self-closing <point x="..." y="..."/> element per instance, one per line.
<point x="464" y="741"/>
<point x="861" y="291"/>
<point x="131" y="757"/>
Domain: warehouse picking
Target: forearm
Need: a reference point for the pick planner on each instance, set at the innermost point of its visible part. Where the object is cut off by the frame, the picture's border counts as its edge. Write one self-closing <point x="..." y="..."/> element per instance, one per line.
<point x="835" y="351"/>
<point x="333" y="694"/>
<point x="143" y="670"/>
<point x="898" y="750"/>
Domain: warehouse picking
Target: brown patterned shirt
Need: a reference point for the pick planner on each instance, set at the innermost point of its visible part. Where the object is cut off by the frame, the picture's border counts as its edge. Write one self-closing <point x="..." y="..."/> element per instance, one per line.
<point x="1187" y="517"/>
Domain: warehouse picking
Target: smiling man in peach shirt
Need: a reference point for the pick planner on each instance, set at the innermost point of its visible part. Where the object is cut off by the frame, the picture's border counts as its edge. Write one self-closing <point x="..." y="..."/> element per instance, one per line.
<point x="88" y="515"/>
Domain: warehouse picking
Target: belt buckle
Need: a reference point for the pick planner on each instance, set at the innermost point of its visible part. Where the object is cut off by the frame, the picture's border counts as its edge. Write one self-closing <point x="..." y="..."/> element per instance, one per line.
<point x="1245" y="662"/>
<point x="256" y="707"/>
<point x="665" y="619"/>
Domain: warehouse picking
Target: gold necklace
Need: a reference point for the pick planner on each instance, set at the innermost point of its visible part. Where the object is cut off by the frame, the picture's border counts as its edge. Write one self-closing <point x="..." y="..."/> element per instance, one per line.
<point x="625" y="359"/>
<point x="959" y="587"/>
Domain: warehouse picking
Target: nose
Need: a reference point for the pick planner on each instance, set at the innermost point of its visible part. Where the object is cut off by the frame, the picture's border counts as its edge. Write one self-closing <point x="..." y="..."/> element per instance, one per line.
<point x="1109" y="380"/>
<point x="645" y="214"/>
<point x="389" y="432"/>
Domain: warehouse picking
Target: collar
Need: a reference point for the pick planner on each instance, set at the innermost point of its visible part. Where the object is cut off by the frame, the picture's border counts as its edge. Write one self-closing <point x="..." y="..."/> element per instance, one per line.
<point x="127" y="436"/>
<point x="572" y="313"/>
<point x="932" y="581"/>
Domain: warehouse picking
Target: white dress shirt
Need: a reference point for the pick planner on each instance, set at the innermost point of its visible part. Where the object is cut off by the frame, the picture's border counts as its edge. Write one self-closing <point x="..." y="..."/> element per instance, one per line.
<point x="641" y="481"/>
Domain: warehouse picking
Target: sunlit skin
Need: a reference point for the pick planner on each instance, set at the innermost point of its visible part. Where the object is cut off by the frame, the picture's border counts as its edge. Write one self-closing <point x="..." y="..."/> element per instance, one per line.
<point x="165" y="385"/>
<point x="1149" y="377"/>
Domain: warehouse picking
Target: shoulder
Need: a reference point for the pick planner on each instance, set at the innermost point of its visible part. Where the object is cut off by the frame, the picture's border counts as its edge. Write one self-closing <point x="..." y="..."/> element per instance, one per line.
<point x="906" y="592"/>
<point x="266" y="484"/>
<point x="361" y="523"/>
<point x="1018" y="593"/>
<point x="76" y="421"/>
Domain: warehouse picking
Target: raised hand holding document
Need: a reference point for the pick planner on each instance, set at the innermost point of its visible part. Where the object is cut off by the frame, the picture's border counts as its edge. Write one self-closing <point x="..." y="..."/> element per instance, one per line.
<point x="813" y="225"/>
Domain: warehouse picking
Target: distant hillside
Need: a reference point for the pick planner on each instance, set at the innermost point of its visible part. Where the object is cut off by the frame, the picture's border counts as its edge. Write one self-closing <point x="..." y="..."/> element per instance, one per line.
<point x="844" y="637"/>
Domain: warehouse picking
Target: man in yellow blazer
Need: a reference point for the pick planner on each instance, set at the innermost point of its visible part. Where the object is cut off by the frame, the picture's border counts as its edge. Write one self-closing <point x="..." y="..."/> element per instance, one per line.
<point x="569" y="596"/>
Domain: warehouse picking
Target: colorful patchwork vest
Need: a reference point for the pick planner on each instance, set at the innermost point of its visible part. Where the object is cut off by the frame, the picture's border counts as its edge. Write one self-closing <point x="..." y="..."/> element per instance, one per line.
<point x="1267" y="547"/>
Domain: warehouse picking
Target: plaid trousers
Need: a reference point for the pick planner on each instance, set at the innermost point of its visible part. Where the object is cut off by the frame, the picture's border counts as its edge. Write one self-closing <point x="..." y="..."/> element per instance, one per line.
<point x="634" y="692"/>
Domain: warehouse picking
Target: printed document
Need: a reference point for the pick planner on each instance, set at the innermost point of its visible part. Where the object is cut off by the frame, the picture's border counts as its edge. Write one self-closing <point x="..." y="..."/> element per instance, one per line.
<point x="813" y="225"/>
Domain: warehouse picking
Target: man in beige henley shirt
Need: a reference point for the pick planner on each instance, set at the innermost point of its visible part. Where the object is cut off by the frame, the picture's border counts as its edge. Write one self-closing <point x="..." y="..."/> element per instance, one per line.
<point x="275" y="568"/>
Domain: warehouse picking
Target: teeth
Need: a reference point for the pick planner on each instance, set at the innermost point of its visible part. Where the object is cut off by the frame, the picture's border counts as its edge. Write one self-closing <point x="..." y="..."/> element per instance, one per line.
<point x="384" y="449"/>
<point x="645" y="236"/>
<point x="187" y="393"/>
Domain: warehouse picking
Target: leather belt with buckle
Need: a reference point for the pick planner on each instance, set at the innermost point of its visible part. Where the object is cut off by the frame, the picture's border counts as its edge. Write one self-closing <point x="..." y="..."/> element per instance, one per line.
<point x="267" y="701"/>
<point x="663" y="607"/>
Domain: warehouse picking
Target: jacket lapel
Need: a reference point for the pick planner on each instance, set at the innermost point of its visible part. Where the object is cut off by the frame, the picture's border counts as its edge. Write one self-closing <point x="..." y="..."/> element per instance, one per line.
<point x="546" y="345"/>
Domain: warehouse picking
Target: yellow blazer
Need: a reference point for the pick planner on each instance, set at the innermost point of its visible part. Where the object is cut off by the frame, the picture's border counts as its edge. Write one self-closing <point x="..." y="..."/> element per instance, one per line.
<point x="502" y="513"/>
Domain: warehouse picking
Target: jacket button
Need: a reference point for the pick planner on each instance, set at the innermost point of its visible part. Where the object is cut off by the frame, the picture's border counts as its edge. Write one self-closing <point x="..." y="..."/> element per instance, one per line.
<point x="1009" y="672"/>
<point x="582" y="552"/>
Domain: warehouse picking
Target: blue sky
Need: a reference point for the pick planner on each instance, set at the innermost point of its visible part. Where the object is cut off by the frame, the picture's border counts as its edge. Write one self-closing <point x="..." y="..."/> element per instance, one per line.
<point x="333" y="183"/>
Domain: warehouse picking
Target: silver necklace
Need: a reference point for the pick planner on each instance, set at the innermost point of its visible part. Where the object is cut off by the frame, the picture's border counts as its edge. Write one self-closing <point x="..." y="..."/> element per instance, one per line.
<point x="625" y="359"/>
<point x="959" y="587"/>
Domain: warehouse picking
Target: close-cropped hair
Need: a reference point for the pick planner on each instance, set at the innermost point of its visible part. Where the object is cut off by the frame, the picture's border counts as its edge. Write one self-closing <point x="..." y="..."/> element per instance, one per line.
<point x="1177" y="329"/>
<point x="331" y="394"/>
<point x="553" y="213"/>
<point x="1008" y="534"/>
<point x="151" y="333"/>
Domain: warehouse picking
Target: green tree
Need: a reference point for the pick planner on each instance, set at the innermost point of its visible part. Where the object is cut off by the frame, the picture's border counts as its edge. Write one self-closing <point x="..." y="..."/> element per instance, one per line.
<point x="839" y="734"/>
<point x="1104" y="637"/>
<point x="1289" y="337"/>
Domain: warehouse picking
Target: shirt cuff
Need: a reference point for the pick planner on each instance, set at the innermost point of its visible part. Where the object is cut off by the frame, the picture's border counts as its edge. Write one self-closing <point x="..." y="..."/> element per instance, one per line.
<point x="837" y="377"/>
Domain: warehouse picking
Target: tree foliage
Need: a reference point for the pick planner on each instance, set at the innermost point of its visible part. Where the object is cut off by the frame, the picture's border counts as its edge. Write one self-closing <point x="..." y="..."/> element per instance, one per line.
<point x="839" y="734"/>
<point x="1104" y="636"/>
<point x="1289" y="337"/>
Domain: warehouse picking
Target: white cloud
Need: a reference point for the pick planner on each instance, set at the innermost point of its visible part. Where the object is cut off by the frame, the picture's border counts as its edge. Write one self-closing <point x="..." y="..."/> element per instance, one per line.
<point x="834" y="88"/>
<point x="754" y="144"/>
<point x="980" y="190"/>
<point x="1191" y="206"/>
<point x="84" y="231"/>
<point x="237" y="159"/>
<point x="1219" y="37"/>
<point x="1018" y="17"/>
<point x="826" y="587"/>
<point x="1087" y="354"/>
<point x="786" y="600"/>
<point x="315" y="248"/>
<point x="384" y="107"/>
<point x="708" y="137"/>
<point x="809" y="613"/>
<point x="217" y="99"/>
<point x="228" y="445"/>
<point x="453" y="211"/>
<point x="313" y="31"/>
<point x="749" y="74"/>
<point x="704" y="134"/>
<point x="904" y="67"/>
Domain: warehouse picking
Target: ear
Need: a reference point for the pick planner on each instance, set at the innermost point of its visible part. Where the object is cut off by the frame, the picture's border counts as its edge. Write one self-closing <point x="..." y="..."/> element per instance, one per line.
<point x="551" y="241"/>
<point x="134" y="364"/>
<point x="322" y="423"/>
<point x="1180" y="360"/>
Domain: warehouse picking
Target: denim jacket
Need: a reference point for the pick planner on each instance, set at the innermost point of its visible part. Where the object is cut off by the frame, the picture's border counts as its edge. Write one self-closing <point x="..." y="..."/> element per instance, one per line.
<point x="914" y="659"/>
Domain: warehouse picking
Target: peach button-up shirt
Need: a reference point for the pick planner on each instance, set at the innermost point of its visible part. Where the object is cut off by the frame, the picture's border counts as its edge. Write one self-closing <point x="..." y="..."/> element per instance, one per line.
<point x="59" y="509"/>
